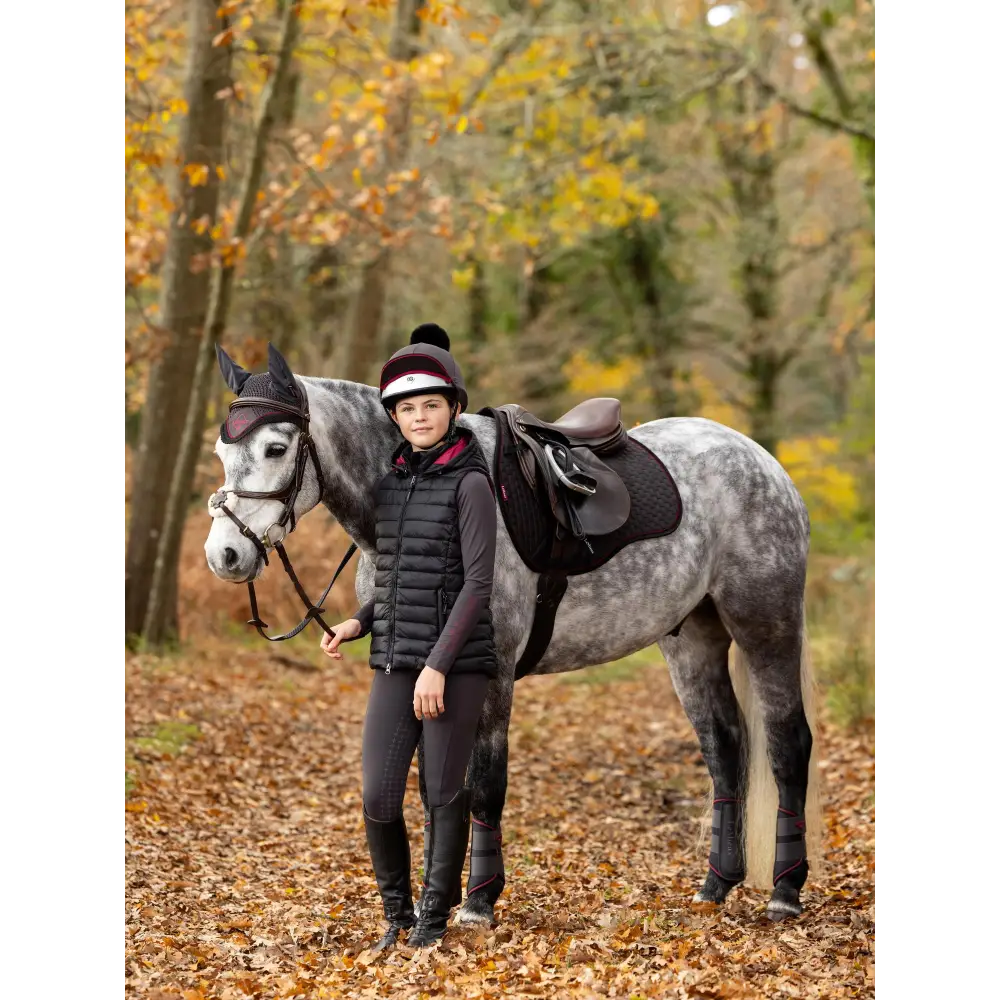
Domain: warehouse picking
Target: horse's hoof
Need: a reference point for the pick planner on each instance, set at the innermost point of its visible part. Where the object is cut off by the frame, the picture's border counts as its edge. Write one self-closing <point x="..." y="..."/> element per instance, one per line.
<point x="784" y="901"/>
<point x="715" y="889"/>
<point x="477" y="909"/>
<point x="779" y="910"/>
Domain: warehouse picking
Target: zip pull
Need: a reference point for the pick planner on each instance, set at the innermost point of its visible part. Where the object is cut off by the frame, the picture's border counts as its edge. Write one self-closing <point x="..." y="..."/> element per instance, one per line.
<point x="388" y="666"/>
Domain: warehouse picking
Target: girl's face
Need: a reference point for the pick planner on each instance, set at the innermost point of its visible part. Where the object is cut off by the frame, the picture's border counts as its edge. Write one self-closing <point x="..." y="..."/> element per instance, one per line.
<point x="423" y="420"/>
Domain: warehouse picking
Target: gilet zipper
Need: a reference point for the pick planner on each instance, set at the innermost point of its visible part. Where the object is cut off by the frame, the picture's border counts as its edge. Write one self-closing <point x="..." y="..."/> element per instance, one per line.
<point x="395" y="572"/>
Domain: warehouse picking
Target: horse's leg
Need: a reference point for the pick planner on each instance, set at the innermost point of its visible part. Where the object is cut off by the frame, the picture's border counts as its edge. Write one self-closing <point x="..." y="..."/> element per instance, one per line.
<point x="698" y="659"/>
<point x="487" y="779"/>
<point x="765" y="617"/>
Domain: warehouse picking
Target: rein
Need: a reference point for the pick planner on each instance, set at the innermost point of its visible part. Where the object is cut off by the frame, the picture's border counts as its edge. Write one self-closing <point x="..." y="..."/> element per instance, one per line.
<point x="289" y="494"/>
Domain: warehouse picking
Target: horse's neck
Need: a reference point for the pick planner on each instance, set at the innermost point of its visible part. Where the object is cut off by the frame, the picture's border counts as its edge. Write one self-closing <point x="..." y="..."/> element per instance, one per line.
<point x="355" y="440"/>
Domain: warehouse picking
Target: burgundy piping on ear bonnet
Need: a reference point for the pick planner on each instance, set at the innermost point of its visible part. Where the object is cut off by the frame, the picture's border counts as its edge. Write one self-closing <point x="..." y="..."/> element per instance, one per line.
<point x="243" y="419"/>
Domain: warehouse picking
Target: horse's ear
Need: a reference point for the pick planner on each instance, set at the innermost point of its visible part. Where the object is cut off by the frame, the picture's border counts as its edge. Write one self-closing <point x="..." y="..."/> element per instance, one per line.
<point x="281" y="375"/>
<point x="234" y="375"/>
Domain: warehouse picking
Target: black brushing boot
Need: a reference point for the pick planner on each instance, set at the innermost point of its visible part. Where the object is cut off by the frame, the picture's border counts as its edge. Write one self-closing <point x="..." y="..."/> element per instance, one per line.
<point x="390" y="854"/>
<point x="449" y="843"/>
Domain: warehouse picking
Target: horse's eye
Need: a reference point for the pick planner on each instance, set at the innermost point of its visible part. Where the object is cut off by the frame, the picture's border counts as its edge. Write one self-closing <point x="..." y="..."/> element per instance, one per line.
<point x="275" y="451"/>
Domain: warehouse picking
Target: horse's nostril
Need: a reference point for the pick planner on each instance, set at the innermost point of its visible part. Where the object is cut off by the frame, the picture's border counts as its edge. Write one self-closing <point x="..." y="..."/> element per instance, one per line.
<point x="232" y="558"/>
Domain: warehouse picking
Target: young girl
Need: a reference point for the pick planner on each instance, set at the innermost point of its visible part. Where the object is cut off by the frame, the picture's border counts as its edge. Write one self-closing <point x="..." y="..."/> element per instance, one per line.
<point x="431" y="630"/>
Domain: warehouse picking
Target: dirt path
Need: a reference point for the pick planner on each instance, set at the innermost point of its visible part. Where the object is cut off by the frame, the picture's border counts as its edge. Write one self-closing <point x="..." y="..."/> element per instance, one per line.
<point x="247" y="873"/>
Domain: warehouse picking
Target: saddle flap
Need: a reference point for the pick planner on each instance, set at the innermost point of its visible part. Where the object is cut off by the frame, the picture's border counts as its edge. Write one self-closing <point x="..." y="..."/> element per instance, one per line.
<point x="607" y="510"/>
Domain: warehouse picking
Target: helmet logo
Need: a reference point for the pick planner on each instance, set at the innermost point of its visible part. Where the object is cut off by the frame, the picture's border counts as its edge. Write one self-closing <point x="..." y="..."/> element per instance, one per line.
<point x="409" y="378"/>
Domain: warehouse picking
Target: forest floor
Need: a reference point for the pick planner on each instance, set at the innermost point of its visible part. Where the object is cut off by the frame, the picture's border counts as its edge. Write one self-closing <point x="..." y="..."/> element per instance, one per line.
<point x="247" y="872"/>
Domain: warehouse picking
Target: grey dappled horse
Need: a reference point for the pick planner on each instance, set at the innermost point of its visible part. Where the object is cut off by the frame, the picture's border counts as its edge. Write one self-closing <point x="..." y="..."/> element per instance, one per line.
<point x="733" y="571"/>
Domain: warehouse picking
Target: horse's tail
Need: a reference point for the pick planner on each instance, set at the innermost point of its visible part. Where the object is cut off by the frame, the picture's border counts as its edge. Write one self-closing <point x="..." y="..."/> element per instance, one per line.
<point x="760" y="794"/>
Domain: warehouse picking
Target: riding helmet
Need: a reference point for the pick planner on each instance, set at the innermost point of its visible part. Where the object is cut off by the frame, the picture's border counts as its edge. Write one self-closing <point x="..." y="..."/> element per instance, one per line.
<point x="424" y="366"/>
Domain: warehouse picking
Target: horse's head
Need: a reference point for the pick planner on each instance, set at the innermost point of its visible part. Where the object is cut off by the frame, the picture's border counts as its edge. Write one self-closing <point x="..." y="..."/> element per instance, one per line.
<point x="272" y="472"/>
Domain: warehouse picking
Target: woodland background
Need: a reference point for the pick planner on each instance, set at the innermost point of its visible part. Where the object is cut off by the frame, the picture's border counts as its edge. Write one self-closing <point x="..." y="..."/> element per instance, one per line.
<point x="667" y="201"/>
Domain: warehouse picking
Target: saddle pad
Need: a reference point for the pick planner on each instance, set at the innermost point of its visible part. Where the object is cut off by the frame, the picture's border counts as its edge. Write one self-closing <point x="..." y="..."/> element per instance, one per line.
<point x="656" y="508"/>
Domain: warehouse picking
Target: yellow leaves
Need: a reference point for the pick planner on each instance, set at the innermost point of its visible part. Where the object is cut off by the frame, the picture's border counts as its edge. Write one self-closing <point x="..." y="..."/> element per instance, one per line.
<point x="378" y="122"/>
<point x="462" y="124"/>
<point x="462" y="277"/>
<point x="196" y="173"/>
<point x="829" y="491"/>
<point x="635" y="128"/>
<point x="589" y="377"/>
<point x="606" y="184"/>
<point x="649" y="207"/>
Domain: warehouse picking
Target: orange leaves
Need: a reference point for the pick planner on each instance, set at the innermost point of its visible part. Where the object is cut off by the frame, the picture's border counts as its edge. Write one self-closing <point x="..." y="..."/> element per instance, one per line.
<point x="599" y="908"/>
<point x="223" y="38"/>
<point x="196" y="174"/>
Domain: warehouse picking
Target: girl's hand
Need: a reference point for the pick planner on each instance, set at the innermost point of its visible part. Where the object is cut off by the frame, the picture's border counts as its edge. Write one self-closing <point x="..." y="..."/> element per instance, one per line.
<point x="428" y="695"/>
<point x="350" y="629"/>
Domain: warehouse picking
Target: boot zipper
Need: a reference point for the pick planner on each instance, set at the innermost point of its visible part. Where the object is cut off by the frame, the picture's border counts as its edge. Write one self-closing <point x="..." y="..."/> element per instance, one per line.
<point x="395" y="572"/>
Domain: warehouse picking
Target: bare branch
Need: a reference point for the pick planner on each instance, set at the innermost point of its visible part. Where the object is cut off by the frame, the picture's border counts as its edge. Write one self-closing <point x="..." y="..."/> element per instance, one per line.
<point x="824" y="60"/>
<point x="835" y="124"/>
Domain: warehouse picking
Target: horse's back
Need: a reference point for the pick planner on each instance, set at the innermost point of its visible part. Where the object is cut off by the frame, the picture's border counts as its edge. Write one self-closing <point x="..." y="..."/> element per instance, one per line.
<point x="726" y="476"/>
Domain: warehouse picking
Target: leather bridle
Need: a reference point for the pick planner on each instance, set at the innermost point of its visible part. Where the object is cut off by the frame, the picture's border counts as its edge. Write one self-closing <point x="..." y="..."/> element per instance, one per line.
<point x="289" y="494"/>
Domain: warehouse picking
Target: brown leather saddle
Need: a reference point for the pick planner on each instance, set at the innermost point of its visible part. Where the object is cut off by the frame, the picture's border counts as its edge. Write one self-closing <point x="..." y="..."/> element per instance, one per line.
<point x="560" y="463"/>
<point x="572" y="493"/>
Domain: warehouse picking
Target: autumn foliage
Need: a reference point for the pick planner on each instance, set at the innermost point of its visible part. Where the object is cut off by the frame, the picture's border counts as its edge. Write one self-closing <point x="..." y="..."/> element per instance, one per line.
<point x="669" y="204"/>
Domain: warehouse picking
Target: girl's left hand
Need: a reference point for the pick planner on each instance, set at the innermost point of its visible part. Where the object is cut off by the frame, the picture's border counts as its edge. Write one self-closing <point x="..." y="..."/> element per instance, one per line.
<point x="428" y="695"/>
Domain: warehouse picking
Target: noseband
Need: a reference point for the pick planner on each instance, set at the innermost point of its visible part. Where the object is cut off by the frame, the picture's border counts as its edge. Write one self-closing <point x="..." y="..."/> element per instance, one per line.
<point x="289" y="494"/>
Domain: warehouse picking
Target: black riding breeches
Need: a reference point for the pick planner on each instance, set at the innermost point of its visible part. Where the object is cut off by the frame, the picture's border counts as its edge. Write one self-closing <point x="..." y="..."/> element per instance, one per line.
<point x="392" y="732"/>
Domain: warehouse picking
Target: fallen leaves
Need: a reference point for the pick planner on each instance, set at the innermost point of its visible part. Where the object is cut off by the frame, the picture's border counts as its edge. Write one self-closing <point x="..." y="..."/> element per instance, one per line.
<point x="255" y="880"/>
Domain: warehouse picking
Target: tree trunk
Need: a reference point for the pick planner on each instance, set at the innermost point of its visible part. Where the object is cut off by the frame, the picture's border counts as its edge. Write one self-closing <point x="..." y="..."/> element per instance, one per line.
<point x="161" y="613"/>
<point x="750" y="165"/>
<point x="183" y="301"/>
<point x="478" y="308"/>
<point x="326" y="307"/>
<point x="660" y="339"/>
<point x="272" y="312"/>
<point x="541" y="359"/>
<point x="361" y="354"/>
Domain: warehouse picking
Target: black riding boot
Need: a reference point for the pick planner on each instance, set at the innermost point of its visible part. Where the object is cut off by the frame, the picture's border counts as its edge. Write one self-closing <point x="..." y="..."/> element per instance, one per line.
<point x="456" y="900"/>
<point x="390" y="854"/>
<point x="449" y="834"/>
